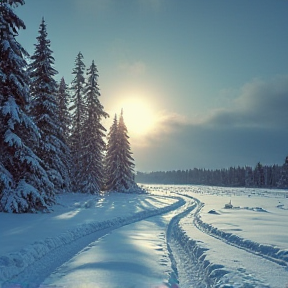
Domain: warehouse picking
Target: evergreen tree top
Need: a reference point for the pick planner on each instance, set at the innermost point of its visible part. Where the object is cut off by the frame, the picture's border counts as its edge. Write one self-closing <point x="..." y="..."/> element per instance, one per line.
<point x="41" y="68"/>
<point x="123" y="127"/>
<point x="62" y="85"/>
<point x="79" y="67"/>
<point x="92" y="93"/>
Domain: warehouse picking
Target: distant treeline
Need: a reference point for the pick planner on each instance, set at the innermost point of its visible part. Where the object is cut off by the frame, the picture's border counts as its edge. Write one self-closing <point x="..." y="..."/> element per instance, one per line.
<point x="275" y="176"/>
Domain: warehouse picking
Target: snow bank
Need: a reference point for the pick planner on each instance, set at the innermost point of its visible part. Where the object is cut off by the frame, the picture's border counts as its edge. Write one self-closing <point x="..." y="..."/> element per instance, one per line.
<point x="14" y="263"/>
<point x="208" y="273"/>
<point x="198" y="250"/>
<point x="270" y="252"/>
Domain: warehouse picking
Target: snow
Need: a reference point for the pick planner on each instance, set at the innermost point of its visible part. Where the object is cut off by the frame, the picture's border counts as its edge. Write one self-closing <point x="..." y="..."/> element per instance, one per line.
<point x="164" y="239"/>
<point x="247" y="218"/>
<point x="12" y="139"/>
<point x="200" y="236"/>
<point x="28" y="238"/>
<point x="134" y="258"/>
<point x="10" y="107"/>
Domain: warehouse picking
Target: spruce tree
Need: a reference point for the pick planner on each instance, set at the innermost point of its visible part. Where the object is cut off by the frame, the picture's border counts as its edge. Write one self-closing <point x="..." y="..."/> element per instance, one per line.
<point x="65" y="123"/>
<point x="249" y="180"/>
<point x="119" y="163"/>
<point x="283" y="178"/>
<point x="23" y="181"/>
<point x="45" y="112"/>
<point x="126" y="161"/>
<point x="78" y="115"/>
<point x="91" y="174"/>
<point x="112" y="176"/>
<point x="64" y="115"/>
<point x="259" y="175"/>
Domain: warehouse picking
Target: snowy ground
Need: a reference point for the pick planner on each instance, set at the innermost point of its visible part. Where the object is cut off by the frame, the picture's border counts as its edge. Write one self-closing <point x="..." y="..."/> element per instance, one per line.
<point x="179" y="236"/>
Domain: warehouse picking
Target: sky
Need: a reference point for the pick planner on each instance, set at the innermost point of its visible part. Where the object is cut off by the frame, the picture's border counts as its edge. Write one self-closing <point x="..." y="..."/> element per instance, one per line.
<point x="203" y="83"/>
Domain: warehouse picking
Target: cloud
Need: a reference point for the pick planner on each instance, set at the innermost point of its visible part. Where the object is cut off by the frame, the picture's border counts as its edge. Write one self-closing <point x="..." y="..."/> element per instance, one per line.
<point x="260" y="104"/>
<point x="136" y="68"/>
<point x="160" y="127"/>
<point x="254" y="129"/>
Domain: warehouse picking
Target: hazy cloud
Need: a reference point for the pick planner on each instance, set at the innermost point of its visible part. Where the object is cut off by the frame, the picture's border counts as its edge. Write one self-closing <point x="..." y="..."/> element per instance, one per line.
<point x="254" y="129"/>
<point x="165" y="124"/>
<point x="170" y="122"/>
<point x="260" y="104"/>
<point x="136" y="68"/>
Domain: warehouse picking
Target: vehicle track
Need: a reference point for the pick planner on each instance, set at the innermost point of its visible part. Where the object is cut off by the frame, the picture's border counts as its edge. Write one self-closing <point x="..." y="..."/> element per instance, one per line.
<point x="192" y="257"/>
<point x="42" y="265"/>
<point x="174" y="251"/>
<point x="187" y="256"/>
<point x="268" y="252"/>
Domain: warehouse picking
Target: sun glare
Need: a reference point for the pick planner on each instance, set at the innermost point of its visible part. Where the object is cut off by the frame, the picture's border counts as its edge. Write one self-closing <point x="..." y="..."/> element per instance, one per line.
<point x="138" y="116"/>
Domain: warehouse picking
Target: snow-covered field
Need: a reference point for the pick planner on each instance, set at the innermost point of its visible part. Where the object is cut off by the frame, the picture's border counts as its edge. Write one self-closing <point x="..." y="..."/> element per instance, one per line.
<point x="175" y="236"/>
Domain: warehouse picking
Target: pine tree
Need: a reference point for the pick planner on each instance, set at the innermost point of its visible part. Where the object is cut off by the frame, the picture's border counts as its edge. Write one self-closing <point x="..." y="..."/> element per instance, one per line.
<point x="126" y="165"/>
<point x="91" y="174"/>
<point x="119" y="166"/>
<point x="249" y="181"/>
<point x="65" y="123"/>
<point x="64" y="115"/>
<point x="112" y="159"/>
<point x="259" y="175"/>
<point x="23" y="181"/>
<point x="45" y="112"/>
<point x="78" y="111"/>
<point x="283" y="180"/>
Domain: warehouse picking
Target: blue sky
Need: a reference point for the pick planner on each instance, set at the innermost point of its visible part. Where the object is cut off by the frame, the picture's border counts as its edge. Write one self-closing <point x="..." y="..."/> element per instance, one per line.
<point x="213" y="74"/>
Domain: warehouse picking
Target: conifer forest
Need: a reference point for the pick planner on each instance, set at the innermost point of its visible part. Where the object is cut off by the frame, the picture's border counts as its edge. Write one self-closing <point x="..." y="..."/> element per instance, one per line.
<point x="51" y="135"/>
<point x="52" y="138"/>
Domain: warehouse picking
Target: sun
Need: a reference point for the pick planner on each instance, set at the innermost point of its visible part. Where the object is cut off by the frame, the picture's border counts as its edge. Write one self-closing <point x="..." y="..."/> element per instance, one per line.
<point x="138" y="116"/>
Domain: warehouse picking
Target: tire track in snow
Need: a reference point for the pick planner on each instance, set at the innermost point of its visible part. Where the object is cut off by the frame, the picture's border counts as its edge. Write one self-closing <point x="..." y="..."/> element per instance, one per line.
<point x="195" y="268"/>
<point x="29" y="268"/>
<point x="188" y="258"/>
<point x="268" y="252"/>
<point x="177" y="254"/>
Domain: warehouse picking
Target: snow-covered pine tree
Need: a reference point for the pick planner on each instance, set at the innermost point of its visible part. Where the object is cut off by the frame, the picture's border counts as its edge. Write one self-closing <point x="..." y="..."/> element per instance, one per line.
<point x="45" y="112"/>
<point x="78" y="111"/>
<point x="259" y="175"/>
<point x="23" y="181"/>
<point x="112" y="159"/>
<point x="64" y="115"/>
<point x="249" y="180"/>
<point x="91" y="174"/>
<point x="65" y="122"/>
<point x="126" y="161"/>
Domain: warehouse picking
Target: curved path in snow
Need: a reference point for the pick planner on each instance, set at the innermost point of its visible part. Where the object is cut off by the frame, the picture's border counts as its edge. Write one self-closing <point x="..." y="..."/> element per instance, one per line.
<point x="188" y="255"/>
<point x="29" y="268"/>
<point x="268" y="252"/>
<point x="212" y="262"/>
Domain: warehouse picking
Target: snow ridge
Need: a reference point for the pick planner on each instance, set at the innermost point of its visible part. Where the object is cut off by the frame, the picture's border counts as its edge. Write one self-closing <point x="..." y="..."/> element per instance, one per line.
<point x="268" y="252"/>
<point x="170" y="236"/>
<point x="14" y="263"/>
<point x="205" y="272"/>
<point x="193" y="260"/>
